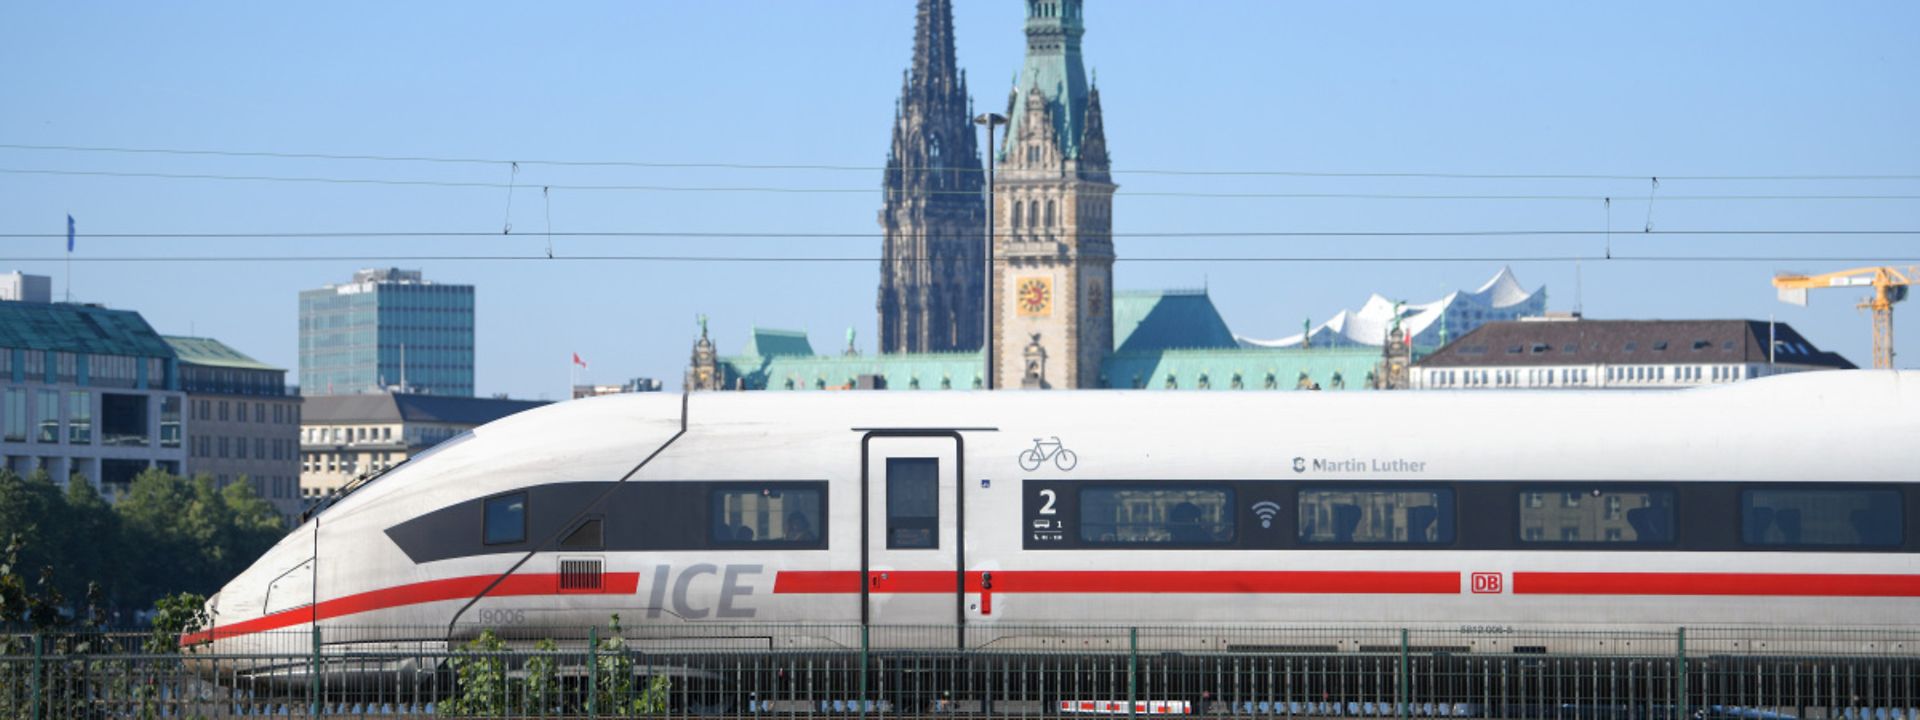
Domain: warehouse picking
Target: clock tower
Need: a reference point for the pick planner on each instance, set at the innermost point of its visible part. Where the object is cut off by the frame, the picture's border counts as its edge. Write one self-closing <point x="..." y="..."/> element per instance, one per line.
<point x="1052" y="215"/>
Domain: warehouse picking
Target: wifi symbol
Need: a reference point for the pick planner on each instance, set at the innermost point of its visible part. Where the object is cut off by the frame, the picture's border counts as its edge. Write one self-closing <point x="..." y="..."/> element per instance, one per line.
<point x="1265" y="510"/>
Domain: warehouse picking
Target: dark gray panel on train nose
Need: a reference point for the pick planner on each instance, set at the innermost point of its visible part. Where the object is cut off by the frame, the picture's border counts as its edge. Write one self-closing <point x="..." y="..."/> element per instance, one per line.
<point x="636" y="517"/>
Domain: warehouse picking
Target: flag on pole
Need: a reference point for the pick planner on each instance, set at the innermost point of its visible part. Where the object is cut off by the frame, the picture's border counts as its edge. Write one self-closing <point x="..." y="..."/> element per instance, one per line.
<point x="578" y="361"/>
<point x="69" y="233"/>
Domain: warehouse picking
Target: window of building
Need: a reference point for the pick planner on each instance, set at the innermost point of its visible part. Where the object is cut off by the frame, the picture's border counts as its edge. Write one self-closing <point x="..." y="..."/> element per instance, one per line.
<point x="170" y="428"/>
<point x="123" y="420"/>
<point x="1342" y="516"/>
<point x="49" y="417"/>
<point x="913" y="503"/>
<point x="771" y="514"/>
<point x="223" y="411"/>
<point x="16" y="415"/>
<point x="259" y="412"/>
<point x="506" y="519"/>
<point x="79" y="417"/>
<point x="1638" y="516"/>
<point x="1869" y="518"/>
<point x="1157" y="515"/>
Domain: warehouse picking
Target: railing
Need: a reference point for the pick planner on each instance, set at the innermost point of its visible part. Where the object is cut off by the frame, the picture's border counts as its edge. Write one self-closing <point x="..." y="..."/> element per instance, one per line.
<point x="791" y="671"/>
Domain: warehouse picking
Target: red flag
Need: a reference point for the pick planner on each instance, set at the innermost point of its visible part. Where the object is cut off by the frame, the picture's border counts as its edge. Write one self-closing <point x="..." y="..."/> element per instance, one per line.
<point x="578" y="361"/>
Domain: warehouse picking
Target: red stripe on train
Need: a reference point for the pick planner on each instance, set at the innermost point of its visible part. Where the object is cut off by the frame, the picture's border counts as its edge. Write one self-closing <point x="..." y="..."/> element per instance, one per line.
<point x="1774" y="584"/>
<point x="459" y="588"/>
<point x="1142" y="581"/>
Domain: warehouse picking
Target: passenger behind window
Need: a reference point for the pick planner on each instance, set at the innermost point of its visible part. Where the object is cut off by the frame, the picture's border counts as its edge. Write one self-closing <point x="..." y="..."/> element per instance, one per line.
<point x="1183" y="522"/>
<point x="1346" y="520"/>
<point x="799" y="529"/>
<point x="743" y="534"/>
<point x="1420" y="521"/>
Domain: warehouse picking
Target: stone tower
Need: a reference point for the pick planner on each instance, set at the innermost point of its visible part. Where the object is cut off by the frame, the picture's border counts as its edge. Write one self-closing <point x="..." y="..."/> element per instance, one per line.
<point x="1053" y="219"/>
<point x="932" y="274"/>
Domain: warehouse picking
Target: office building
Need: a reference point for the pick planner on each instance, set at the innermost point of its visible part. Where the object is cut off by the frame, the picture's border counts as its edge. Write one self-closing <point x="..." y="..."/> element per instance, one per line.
<point x="87" y="391"/>
<point x="243" y="423"/>
<point x="389" y="329"/>
<point x="343" y="437"/>
<point x="1619" y="354"/>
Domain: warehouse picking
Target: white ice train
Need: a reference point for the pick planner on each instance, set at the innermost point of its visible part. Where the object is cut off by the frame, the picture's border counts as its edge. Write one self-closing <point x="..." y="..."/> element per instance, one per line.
<point x="1778" y="502"/>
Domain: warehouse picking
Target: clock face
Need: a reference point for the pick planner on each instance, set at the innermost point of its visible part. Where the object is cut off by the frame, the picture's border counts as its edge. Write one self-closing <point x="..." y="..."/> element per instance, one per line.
<point x="1034" y="296"/>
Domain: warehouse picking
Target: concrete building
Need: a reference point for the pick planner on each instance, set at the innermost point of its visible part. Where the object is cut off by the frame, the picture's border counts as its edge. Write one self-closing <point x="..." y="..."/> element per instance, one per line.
<point x="389" y="328"/>
<point x="639" y="384"/>
<point x="242" y="421"/>
<point x="1637" y="354"/>
<point x="345" y="436"/>
<point x="86" y="391"/>
<point x="26" y="288"/>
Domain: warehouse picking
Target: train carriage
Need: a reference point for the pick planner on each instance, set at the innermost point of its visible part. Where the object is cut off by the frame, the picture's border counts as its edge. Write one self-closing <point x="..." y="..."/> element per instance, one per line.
<point x="1009" y="518"/>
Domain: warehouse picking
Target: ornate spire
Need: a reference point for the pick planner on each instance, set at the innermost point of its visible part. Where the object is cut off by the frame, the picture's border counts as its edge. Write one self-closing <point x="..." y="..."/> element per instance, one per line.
<point x="931" y="274"/>
<point x="1054" y="68"/>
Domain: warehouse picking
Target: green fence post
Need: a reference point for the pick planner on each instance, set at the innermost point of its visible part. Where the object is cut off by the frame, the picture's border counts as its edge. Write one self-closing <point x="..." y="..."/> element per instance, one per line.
<point x="313" y="700"/>
<point x="1680" y="658"/>
<point x="1133" y="668"/>
<point x="593" y="671"/>
<point x="864" y="648"/>
<point x="39" y="668"/>
<point x="1405" y="695"/>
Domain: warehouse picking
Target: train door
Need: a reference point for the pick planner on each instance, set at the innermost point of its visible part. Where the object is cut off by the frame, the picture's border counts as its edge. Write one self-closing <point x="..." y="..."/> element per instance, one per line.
<point x="914" y="548"/>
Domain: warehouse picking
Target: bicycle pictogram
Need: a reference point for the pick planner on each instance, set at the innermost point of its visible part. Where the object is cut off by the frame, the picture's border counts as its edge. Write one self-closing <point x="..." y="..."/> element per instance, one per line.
<point x="1044" y="450"/>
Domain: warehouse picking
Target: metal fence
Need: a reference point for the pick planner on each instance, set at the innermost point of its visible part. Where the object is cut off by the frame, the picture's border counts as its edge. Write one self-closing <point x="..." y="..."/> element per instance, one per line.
<point x="789" y="671"/>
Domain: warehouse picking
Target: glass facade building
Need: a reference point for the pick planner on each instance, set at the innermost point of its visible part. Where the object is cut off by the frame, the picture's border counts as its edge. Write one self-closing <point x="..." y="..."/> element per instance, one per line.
<point x="389" y="328"/>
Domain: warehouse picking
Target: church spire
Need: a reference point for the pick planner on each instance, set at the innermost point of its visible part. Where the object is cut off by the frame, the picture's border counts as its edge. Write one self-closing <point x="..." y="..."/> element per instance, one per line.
<point x="932" y="273"/>
<point x="933" y="56"/>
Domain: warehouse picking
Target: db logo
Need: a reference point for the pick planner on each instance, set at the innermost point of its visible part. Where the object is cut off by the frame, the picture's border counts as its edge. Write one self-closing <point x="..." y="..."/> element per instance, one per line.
<point x="1486" y="582"/>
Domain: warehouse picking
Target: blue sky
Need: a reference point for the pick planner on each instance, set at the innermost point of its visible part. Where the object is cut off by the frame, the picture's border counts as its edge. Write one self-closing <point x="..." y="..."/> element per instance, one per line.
<point x="1629" y="89"/>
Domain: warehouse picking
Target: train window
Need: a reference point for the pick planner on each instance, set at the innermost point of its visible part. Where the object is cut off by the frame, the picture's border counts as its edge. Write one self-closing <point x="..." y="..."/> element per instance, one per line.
<point x="1341" y="516"/>
<point x="913" y="503"/>
<point x="766" y="515"/>
<point x="506" y="519"/>
<point x="1821" y="517"/>
<point x="1624" y="516"/>
<point x="1139" y="515"/>
<point x="586" y="535"/>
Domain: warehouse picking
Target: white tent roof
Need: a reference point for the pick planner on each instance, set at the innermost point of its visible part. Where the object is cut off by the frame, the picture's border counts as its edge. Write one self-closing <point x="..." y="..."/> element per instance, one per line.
<point x="1501" y="297"/>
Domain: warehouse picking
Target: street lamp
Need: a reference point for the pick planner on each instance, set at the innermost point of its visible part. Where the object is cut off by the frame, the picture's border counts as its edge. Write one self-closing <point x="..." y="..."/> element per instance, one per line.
<point x="990" y="120"/>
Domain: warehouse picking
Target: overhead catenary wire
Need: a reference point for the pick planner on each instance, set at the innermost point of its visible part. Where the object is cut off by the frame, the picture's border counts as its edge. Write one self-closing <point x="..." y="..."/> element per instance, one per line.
<point x="833" y="167"/>
<point x="776" y="189"/>
<point x="828" y="259"/>
<point x="867" y="235"/>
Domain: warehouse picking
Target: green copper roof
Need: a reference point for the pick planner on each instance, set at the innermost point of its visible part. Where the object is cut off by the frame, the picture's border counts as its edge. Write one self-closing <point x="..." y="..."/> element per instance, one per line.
<point x="1164" y="320"/>
<point x="209" y="352"/>
<point x="909" y="371"/>
<point x="67" y="327"/>
<point x="768" y="342"/>
<point x="1256" y="369"/>
<point x="1053" y="65"/>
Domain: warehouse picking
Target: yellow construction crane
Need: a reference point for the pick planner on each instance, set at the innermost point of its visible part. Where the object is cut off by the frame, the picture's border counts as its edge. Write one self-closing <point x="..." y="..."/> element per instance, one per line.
<point x="1889" y="286"/>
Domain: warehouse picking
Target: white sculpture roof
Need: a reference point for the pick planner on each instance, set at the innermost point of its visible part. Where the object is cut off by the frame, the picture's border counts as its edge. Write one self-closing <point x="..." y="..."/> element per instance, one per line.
<point x="1500" y="298"/>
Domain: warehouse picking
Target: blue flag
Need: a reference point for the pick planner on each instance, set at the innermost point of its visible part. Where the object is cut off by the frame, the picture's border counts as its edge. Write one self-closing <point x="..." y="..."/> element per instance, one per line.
<point x="69" y="233"/>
